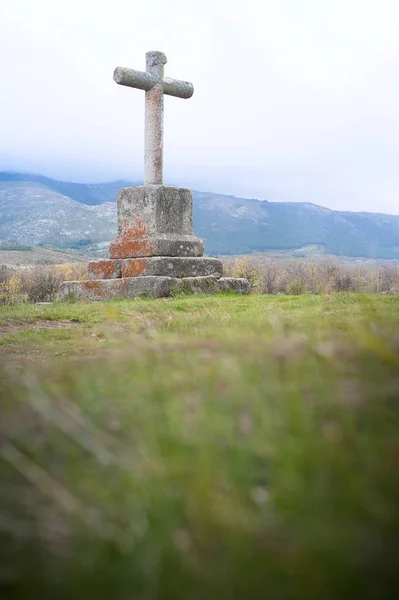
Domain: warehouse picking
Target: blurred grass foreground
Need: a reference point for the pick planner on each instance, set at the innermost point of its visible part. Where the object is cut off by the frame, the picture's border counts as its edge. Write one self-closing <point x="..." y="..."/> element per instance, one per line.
<point x="200" y="448"/>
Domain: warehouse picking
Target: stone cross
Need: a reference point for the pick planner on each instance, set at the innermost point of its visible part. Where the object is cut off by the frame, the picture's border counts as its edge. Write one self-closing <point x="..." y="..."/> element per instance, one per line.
<point x="155" y="251"/>
<point x="155" y="85"/>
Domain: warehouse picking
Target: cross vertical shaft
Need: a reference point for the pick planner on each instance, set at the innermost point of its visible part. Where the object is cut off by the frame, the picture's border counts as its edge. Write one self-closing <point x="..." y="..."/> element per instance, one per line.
<point x="154" y="83"/>
<point x="154" y="109"/>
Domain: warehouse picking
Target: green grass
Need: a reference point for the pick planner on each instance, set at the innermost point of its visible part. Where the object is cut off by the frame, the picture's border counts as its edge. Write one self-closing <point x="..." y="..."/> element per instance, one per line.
<point x="201" y="448"/>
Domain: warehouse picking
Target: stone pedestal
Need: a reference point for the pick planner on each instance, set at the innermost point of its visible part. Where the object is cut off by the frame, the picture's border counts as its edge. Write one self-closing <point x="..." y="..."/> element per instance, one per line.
<point x="155" y="251"/>
<point x="155" y="220"/>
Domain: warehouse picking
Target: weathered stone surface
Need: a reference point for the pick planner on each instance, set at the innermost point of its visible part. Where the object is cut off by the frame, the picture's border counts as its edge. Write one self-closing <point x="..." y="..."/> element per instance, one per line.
<point x="199" y="285"/>
<point x="142" y="80"/>
<point x="153" y="286"/>
<point x="155" y="209"/>
<point x="155" y="86"/>
<point x="128" y="287"/>
<point x="161" y="245"/>
<point x="155" y="220"/>
<point x="172" y="266"/>
<point x="211" y="285"/>
<point x="154" y="109"/>
<point x="105" y="268"/>
<point x="239" y="285"/>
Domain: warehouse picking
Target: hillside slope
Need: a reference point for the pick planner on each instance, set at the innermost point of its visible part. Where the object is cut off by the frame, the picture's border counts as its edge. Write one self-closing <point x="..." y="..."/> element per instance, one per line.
<point x="34" y="212"/>
<point x="85" y="193"/>
<point x="38" y="256"/>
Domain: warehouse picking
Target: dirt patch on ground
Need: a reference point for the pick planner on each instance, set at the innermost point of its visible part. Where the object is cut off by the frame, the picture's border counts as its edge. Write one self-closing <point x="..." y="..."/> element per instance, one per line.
<point x="8" y="328"/>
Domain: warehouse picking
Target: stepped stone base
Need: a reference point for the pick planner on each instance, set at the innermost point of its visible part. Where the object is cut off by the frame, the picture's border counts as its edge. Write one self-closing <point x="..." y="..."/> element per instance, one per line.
<point x="155" y="252"/>
<point x="152" y="286"/>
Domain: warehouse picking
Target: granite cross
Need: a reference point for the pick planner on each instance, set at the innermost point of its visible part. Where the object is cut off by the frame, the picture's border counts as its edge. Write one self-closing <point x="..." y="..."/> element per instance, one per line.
<point x="155" y="85"/>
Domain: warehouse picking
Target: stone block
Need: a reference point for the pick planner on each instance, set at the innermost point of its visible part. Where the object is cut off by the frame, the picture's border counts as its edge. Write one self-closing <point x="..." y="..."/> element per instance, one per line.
<point x="105" y="268"/>
<point x="212" y="285"/>
<point x="128" y="246"/>
<point x="128" y="287"/>
<point x="155" y="220"/>
<point x="156" y="209"/>
<point x="199" y="285"/>
<point x="172" y="266"/>
<point x="239" y="285"/>
<point x="152" y="286"/>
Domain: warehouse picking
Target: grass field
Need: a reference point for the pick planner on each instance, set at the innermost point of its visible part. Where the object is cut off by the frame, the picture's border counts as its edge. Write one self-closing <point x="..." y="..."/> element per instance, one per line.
<point x="201" y="448"/>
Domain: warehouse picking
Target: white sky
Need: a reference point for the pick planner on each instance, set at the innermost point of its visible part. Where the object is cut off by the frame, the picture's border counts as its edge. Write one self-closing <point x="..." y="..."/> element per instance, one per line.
<point x="294" y="100"/>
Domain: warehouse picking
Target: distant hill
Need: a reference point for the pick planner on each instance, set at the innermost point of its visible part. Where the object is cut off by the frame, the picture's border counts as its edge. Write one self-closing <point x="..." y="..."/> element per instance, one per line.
<point x="37" y="256"/>
<point x="36" y="210"/>
<point x="84" y="193"/>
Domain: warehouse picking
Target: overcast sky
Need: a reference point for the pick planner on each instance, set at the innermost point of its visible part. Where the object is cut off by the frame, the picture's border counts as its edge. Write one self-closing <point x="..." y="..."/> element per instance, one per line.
<point x="295" y="100"/>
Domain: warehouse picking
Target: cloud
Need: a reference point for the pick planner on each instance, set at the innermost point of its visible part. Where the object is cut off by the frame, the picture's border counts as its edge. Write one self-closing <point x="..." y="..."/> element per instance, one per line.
<point x="294" y="101"/>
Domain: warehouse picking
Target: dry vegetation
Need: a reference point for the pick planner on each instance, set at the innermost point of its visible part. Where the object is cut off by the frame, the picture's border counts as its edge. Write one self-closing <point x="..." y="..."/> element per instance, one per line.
<point x="304" y="276"/>
<point x="40" y="283"/>
<point x="36" y="284"/>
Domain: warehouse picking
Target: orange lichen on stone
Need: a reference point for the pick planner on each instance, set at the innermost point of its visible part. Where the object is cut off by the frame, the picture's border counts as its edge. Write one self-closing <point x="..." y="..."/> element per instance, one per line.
<point x="133" y="241"/>
<point x="93" y="287"/>
<point x="133" y="267"/>
<point x="104" y="268"/>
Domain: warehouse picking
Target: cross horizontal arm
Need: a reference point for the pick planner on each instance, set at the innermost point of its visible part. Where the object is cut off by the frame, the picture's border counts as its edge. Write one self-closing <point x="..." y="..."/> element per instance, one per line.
<point x="178" y="88"/>
<point x="137" y="79"/>
<point x="145" y="81"/>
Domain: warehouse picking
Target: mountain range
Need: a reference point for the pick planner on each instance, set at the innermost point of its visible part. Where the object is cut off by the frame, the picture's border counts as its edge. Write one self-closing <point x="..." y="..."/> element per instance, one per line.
<point x="37" y="210"/>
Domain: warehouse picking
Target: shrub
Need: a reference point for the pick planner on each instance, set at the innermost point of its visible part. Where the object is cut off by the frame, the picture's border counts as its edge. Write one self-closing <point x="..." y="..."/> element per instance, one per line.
<point x="388" y="278"/>
<point x="270" y="270"/>
<point x="249" y="269"/>
<point x="10" y="290"/>
<point x="39" y="283"/>
<point x="5" y="273"/>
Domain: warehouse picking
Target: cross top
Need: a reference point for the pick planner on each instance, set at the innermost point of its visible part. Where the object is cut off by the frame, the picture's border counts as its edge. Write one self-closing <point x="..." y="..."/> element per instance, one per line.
<point x="154" y="83"/>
